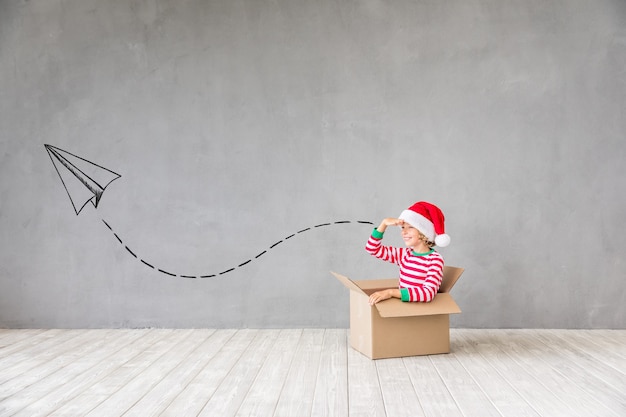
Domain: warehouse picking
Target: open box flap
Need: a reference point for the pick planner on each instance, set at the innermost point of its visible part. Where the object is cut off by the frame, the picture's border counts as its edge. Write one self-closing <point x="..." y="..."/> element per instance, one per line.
<point x="441" y="304"/>
<point x="369" y="286"/>
<point x="451" y="275"/>
<point x="347" y="282"/>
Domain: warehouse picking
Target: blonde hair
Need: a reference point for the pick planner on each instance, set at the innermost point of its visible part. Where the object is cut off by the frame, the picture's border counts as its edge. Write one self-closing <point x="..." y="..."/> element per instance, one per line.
<point x="424" y="239"/>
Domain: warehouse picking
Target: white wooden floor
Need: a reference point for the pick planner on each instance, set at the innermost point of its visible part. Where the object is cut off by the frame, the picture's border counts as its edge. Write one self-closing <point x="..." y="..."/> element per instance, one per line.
<point x="310" y="372"/>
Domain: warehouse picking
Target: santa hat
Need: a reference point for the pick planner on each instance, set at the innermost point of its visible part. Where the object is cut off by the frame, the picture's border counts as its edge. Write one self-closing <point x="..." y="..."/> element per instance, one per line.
<point x="428" y="219"/>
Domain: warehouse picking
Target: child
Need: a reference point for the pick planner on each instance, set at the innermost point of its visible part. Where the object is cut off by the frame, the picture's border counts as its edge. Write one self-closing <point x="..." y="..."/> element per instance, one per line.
<point x="421" y="268"/>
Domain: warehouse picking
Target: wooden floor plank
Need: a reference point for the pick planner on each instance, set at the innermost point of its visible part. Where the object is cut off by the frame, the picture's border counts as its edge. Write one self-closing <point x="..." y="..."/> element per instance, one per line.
<point x="568" y="380"/>
<point x="144" y="352"/>
<point x="399" y="396"/>
<point x="11" y="338"/>
<point x="433" y="395"/>
<point x="504" y="397"/>
<point x="467" y="394"/>
<point x="170" y="374"/>
<point x="364" y="393"/>
<point x="29" y="353"/>
<point x="523" y="379"/>
<point x="604" y="346"/>
<point x="265" y="391"/>
<point x="46" y="364"/>
<point x="296" y="397"/>
<point x="600" y="386"/>
<point x="47" y="394"/>
<point x="194" y="397"/>
<point x="162" y="394"/>
<point x="310" y="372"/>
<point x="612" y="337"/>
<point x="122" y="401"/>
<point x="331" y="388"/>
<point x="234" y="387"/>
<point x="578" y="402"/>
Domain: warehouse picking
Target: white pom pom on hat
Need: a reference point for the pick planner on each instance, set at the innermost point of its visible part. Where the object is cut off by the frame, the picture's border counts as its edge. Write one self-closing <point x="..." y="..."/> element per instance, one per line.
<point x="428" y="219"/>
<point x="442" y="240"/>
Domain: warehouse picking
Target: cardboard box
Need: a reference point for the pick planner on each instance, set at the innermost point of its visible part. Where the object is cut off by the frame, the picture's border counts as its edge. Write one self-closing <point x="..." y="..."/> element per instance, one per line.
<point x="393" y="328"/>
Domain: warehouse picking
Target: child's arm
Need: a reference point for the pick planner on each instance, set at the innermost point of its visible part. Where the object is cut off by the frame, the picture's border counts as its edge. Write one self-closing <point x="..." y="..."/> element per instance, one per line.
<point x="384" y="295"/>
<point x="374" y="244"/>
<point x="387" y="254"/>
<point x="427" y="290"/>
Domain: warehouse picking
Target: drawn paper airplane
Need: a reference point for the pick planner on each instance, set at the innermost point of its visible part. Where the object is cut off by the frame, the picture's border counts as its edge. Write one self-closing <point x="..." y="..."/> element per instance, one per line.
<point x="86" y="181"/>
<point x="83" y="180"/>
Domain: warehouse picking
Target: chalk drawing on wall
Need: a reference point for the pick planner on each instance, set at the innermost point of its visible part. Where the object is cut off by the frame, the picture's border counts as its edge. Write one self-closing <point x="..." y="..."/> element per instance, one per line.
<point x="85" y="181"/>
<point x="231" y="269"/>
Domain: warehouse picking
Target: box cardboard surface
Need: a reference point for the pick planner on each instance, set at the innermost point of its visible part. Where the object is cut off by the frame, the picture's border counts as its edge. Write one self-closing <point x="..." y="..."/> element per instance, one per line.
<point x="393" y="328"/>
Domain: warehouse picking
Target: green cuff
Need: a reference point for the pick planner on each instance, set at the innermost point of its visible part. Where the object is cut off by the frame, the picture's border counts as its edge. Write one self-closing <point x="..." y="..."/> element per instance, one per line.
<point x="404" y="294"/>
<point x="376" y="234"/>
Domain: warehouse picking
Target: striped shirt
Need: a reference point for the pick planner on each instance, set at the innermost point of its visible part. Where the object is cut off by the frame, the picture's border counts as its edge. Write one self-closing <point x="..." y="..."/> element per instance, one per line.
<point x="420" y="273"/>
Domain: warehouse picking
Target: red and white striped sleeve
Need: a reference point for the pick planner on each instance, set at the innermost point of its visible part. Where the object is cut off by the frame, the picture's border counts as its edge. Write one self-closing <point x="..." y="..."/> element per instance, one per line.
<point x="375" y="248"/>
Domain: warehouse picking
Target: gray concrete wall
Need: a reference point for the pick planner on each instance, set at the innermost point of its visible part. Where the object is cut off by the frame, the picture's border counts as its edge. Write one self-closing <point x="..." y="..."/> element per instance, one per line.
<point x="235" y="124"/>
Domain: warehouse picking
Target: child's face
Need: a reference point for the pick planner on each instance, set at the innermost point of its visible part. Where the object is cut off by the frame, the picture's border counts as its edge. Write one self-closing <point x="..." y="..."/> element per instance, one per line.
<point x="410" y="235"/>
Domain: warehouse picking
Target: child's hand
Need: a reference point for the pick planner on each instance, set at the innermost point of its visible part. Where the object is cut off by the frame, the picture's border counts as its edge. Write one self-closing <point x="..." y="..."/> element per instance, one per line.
<point x="389" y="221"/>
<point x="381" y="296"/>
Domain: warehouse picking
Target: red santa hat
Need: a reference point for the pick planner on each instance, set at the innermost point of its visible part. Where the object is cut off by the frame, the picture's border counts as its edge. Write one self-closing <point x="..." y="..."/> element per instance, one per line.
<point x="428" y="219"/>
